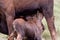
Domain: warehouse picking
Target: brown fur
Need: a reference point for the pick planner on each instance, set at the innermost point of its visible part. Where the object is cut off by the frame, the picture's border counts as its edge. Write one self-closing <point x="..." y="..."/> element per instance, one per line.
<point x="28" y="29"/>
<point x="32" y="24"/>
<point x="10" y="7"/>
<point x="3" y="24"/>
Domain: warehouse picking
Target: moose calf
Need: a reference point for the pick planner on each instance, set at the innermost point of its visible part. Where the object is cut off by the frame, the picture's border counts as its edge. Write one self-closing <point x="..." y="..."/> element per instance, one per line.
<point x="31" y="29"/>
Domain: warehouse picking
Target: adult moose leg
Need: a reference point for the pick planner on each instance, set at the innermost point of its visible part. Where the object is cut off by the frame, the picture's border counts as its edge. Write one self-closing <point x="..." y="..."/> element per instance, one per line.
<point x="48" y="13"/>
<point x="9" y="20"/>
<point x="3" y="28"/>
<point x="7" y="8"/>
<point x="10" y="16"/>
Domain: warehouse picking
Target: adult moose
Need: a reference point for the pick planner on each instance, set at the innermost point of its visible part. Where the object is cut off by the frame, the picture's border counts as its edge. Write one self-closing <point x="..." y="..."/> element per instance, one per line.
<point x="11" y="7"/>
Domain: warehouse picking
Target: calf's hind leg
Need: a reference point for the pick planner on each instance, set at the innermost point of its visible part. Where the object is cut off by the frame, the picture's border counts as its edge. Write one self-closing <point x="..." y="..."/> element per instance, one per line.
<point x="12" y="36"/>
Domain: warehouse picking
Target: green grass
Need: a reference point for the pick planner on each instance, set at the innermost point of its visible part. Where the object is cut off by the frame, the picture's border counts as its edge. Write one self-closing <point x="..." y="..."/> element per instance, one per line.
<point x="46" y="34"/>
<point x="57" y="15"/>
<point x="3" y="37"/>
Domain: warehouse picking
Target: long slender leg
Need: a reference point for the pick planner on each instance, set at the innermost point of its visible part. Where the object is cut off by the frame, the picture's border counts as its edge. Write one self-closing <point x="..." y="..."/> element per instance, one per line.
<point x="7" y="8"/>
<point x="11" y="37"/>
<point x="10" y="13"/>
<point x="48" y="13"/>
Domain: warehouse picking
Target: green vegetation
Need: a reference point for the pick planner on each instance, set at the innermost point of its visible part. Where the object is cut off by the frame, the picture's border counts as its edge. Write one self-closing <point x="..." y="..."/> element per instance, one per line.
<point x="46" y="34"/>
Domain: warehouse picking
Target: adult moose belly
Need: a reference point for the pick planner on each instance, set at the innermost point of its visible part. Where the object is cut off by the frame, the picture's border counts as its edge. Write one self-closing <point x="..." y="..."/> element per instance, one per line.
<point x="26" y="4"/>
